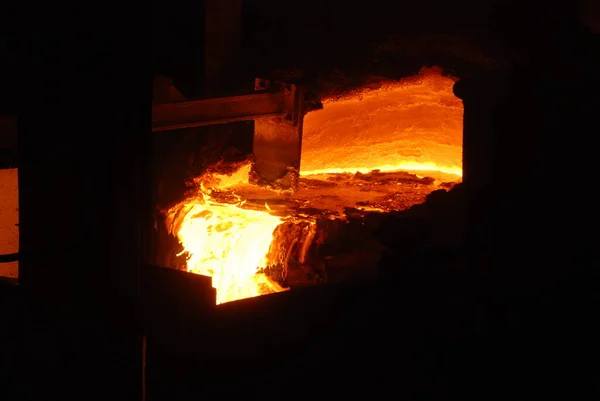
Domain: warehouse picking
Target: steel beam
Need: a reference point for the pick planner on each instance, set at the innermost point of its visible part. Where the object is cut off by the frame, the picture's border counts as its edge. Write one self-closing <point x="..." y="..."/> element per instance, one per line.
<point x="195" y="113"/>
<point x="278" y="144"/>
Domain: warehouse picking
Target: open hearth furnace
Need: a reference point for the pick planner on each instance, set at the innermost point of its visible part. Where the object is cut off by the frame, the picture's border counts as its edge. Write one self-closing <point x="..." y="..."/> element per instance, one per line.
<point x="264" y="195"/>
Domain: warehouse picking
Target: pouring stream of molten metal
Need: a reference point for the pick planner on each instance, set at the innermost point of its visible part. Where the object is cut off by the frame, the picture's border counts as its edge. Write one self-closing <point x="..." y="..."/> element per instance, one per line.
<point x="227" y="242"/>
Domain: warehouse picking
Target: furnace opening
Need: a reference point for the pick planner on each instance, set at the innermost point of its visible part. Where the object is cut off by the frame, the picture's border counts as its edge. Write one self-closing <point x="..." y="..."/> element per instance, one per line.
<point x="411" y="125"/>
<point x="371" y="152"/>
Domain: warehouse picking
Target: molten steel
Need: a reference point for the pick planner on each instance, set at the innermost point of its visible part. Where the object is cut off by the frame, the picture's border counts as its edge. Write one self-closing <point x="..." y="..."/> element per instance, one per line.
<point x="227" y="242"/>
<point x="355" y="151"/>
<point x="411" y="125"/>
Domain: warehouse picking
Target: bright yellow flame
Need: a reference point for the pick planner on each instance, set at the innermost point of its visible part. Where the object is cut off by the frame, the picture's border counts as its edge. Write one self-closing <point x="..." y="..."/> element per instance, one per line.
<point x="414" y="124"/>
<point x="228" y="242"/>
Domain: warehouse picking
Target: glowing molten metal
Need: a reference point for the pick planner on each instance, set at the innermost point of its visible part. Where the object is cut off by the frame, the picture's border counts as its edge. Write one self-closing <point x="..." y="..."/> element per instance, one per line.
<point x="355" y="151"/>
<point x="411" y="125"/>
<point x="228" y="242"/>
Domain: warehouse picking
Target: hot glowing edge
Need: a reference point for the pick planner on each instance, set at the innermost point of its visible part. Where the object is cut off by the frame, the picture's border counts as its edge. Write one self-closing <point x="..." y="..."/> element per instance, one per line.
<point x="457" y="171"/>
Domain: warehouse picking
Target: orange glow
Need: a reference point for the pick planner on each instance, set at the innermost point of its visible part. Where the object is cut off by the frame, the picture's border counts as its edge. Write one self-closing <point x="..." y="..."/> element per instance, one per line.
<point x="411" y="125"/>
<point x="226" y="241"/>
<point x="232" y="229"/>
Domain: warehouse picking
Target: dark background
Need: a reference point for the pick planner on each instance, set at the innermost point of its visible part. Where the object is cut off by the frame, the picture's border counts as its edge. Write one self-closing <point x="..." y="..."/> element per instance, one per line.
<point x="313" y="38"/>
<point x="307" y="35"/>
<point x="83" y="96"/>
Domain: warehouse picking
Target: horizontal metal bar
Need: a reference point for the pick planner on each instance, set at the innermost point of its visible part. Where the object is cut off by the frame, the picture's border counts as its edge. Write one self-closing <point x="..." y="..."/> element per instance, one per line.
<point x="195" y="113"/>
<point x="11" y="257"/>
